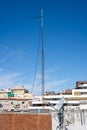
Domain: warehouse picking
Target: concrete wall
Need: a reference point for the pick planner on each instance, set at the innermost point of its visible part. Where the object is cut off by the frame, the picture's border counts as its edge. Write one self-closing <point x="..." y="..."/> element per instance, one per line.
<point x="16" y="104"/>
<point x="76" y="120"/>
<point x="15" y="121"/>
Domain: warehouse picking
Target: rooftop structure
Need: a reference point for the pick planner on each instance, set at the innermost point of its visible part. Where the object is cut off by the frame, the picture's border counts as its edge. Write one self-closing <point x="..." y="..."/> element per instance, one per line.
<point x="81" y="84"/>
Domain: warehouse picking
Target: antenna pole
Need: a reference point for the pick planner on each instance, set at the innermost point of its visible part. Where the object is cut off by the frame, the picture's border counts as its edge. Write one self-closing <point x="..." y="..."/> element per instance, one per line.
<point x="42" y="54"/>
<point x="42" y="57"/>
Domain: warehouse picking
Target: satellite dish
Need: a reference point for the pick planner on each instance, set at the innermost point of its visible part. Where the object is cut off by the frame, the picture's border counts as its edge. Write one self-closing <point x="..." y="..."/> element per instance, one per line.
<point x="59" y="105"/>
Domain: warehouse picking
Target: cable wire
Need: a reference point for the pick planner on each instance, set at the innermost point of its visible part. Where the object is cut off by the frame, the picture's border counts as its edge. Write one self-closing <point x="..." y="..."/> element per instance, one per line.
<point x="37" y="58"/>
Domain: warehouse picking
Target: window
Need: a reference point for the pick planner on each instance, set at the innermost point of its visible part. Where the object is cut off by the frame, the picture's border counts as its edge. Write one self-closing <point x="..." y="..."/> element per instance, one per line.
<point x="83" y="93"/>
<point x="11" y="102"/>
<point x="22" y="102"/>
<point x="77" y="93"/>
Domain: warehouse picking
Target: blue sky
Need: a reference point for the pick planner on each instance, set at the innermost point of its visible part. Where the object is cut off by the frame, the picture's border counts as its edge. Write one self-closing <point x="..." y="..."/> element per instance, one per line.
<point x="65" y="43"/>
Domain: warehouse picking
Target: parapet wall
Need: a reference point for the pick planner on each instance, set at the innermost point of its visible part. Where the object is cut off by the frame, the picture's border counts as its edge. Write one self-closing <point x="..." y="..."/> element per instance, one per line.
<point x="17" y="121"/>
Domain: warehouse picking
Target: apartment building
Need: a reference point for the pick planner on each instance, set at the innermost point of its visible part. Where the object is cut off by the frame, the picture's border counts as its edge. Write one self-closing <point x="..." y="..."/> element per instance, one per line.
<point x="17" y="98"/>
<point x="16" y="92"/>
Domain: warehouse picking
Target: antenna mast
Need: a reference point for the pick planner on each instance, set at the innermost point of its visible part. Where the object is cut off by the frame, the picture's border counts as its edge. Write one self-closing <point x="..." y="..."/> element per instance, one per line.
<point x="42" y="57"/>
<point x="42" y="54"/>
